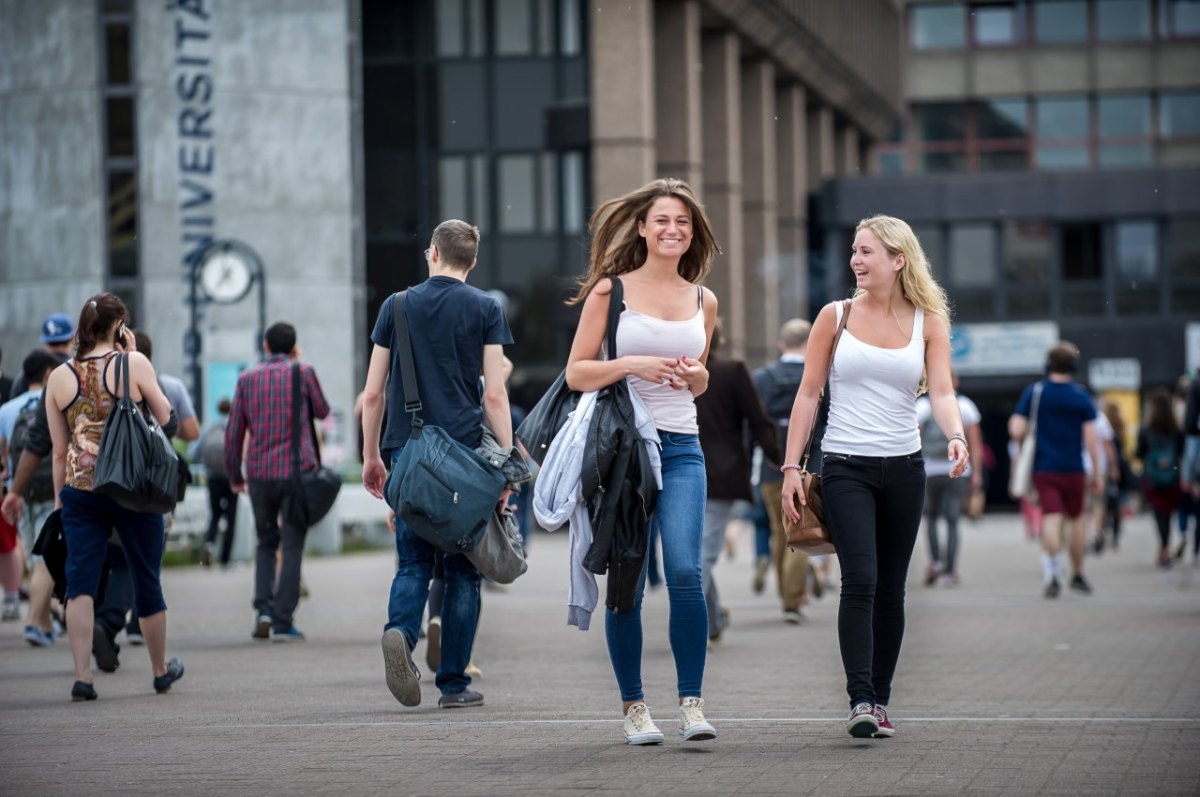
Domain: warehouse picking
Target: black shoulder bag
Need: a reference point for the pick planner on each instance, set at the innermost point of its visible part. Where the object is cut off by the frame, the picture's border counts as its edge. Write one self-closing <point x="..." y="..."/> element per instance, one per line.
<point x="311" y="494"/>
<point x="542" y="423"/>
<point x="136" y="465"/>
<point x="444" y="491"/>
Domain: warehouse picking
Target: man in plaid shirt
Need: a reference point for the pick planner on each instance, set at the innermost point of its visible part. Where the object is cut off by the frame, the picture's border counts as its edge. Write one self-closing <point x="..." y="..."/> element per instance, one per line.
<point x="262" y="407"/>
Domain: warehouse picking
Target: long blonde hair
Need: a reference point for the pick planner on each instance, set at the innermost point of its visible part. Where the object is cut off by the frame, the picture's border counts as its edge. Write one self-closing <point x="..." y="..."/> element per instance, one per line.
<point x="916" y="278"/>
<point x="618" y="249"/>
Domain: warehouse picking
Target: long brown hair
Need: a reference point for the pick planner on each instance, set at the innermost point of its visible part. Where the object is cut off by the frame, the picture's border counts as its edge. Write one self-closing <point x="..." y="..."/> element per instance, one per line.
<point x="96" y="320"/>
<point x="1160" y="419"/>
<point x="618" y="249"/>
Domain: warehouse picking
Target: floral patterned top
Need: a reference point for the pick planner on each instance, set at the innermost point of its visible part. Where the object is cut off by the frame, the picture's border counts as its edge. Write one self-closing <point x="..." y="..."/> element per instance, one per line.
<point x="85" y="416"/>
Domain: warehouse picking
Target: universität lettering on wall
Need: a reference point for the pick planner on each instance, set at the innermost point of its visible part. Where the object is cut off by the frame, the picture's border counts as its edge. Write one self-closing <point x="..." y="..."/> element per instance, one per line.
<point x="192" y="32"/>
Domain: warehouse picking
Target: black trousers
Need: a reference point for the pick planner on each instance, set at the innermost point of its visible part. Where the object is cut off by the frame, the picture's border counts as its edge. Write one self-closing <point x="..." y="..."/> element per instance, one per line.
<point x="873" y="509"/>
<point x="222" y="502"/>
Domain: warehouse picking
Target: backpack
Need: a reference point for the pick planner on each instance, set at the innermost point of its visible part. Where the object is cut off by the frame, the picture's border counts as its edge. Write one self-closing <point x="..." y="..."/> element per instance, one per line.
<point x="1160" y="465"/>
<point x="779" y="393"/>
<point x="41" y="484"/>
<point x="212" y="450"/>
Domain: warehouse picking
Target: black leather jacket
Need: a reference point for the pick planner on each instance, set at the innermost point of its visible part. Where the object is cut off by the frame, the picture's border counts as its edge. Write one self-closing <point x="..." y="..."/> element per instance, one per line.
<point x="621" y="492"/>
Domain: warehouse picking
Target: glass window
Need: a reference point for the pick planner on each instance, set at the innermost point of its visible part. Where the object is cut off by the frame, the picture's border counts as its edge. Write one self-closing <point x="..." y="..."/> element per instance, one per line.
<point x="573" y="193"/>
<point x="1052" y="158"/>
<point x="943" y="121"/>
<point x="513" y="34"/>
<point x="549" y="194"/>
<point x="452" y="188"/>
<point x="993" y="25"/>
<point x="1060" y="22"/>
<point x="476" y="29"/>
<point x="1137" y="251"/>
<point x="462" y="105"/>
<point x="516" y="191"/>
<point x="1180" y="114"/>
<point x="1184" y="250"/>
<point x="1118" y="155"/>
<point x="122" y="224"/>
<point x="1003" y="118"/>
<point x="1184" y="16"/>
<point x="1028" y="304"/>
<point x="1079" y="251"/>
<point x="1015" y="160"/>
<point x="1027" y="252"/>
<point x="449" y="28"/>
<point x="972" y="262"/>
<point x="116" y="54"/>
<point x="940" y="162"/>
<point x="934" y="27"/>
<point x="1127" y="116"/>
<point x="891" y="162"/>
<point x="545" y="27"/>
<point x="481" y="208"/>
<point x="570" y="28"/>
<point x="120" y="121"/>
<point x="1119" y="20"/>
<point x="1062" y="117"/>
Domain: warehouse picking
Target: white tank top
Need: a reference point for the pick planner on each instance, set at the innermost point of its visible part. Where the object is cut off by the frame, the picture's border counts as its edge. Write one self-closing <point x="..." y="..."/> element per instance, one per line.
<point x="645" y="335"/>
<point x="873" y="395"/>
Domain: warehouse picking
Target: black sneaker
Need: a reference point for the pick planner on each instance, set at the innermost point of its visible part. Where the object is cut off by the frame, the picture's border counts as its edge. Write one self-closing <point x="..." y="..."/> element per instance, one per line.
<point x="1052" y="589"/>
<point x="862" y="723"/>
<point x="403" y="677"/>
<point x="464" y="699"/>
<point x="162" y="683"/>
<point x="105" y="649"/>
<point x="81" y="692"/>
<point x="1080" y="584"/>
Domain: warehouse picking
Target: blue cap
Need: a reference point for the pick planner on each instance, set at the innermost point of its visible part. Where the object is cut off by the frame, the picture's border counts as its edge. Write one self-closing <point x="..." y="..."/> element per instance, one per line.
<point x="57" y="328"/>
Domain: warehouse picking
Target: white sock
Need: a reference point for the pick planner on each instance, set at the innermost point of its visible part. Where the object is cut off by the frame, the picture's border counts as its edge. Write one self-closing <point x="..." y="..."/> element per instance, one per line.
<point x="12" y="597"/>
<point x="1048" y="572"/>
<point x="1058" y="565"/>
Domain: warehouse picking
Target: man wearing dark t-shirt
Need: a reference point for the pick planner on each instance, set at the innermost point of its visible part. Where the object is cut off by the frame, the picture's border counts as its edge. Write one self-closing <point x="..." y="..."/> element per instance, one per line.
<point x="1065" y="426"/>
<point x="457" y="333"/>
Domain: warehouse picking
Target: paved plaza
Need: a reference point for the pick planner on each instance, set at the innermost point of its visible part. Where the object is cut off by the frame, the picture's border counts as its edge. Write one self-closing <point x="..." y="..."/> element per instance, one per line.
<point x="999" y="691"/>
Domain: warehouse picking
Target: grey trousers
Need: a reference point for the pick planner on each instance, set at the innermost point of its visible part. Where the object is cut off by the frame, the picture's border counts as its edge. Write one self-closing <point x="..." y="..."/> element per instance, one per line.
<point x="944" y="498"/>
<point x="716" y="518"/>
<point x="276" y="598"/>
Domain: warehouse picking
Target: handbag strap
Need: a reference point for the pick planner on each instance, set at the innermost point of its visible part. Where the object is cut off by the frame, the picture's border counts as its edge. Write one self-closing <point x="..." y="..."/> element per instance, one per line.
<point x="297" y="377"/>
<point x="402" y="345"/>
<point x="837" y="336"/>
<point x="1033" y="413"/>
<point x="616" y="301"/>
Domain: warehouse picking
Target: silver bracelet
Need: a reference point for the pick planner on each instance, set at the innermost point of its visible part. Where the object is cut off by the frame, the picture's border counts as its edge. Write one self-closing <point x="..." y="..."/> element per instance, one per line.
<point x="958" y="437"/>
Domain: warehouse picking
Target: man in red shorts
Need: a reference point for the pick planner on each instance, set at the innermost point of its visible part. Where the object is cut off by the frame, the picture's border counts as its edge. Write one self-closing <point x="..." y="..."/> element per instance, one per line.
<point x="1065" y="425"/>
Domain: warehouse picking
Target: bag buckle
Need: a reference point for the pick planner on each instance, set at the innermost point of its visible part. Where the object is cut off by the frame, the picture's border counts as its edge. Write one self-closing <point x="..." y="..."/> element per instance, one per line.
<point x="456" y="498"/>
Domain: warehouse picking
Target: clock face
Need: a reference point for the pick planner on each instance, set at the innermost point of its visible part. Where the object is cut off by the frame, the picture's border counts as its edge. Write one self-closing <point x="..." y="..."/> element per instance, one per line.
<point x="225" y="277"/>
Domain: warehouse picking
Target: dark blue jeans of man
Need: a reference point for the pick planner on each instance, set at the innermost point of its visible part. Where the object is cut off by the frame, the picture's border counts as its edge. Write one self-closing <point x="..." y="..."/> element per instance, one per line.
<point x="460" y="605"/>
<point x="873" y="510"/>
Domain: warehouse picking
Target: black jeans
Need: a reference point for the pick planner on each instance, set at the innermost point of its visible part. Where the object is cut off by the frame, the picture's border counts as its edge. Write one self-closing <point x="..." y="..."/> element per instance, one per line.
<point x="222" y="501"/>
<point x="873" y="510"/>
<point x="276" y="599"/>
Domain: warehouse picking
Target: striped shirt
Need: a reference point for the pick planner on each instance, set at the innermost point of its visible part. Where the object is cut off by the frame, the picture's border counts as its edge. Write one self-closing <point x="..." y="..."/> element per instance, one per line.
<point x="262" y="408"/>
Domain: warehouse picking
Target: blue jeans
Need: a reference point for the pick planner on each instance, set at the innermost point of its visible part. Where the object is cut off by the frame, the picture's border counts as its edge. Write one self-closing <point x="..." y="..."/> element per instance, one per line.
<point x="460" y="606"/>
<point x="680" y="516"/>
<point x="762" y="526"/>
<point x="88" y="521"/>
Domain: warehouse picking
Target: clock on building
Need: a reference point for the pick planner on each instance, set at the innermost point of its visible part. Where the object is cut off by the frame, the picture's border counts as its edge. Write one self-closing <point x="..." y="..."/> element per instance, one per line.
<point x="225" y="275"/>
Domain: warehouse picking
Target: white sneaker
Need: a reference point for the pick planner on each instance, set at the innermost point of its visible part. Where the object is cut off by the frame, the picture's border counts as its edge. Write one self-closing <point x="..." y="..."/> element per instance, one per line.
<point x="639" y="728"/>
<point x="692" y="725"/>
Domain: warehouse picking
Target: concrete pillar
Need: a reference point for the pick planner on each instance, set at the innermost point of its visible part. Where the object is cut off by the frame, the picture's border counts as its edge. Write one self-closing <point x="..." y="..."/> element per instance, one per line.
<point x="792" y="159"/>
<point x="849" y="155"/>
<point x="760" y="208"/>
<point x="622" y="42"/>
<point x="722" y="193"/>
<point x="821" y="163"/>
<point x="677" y="90"/>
